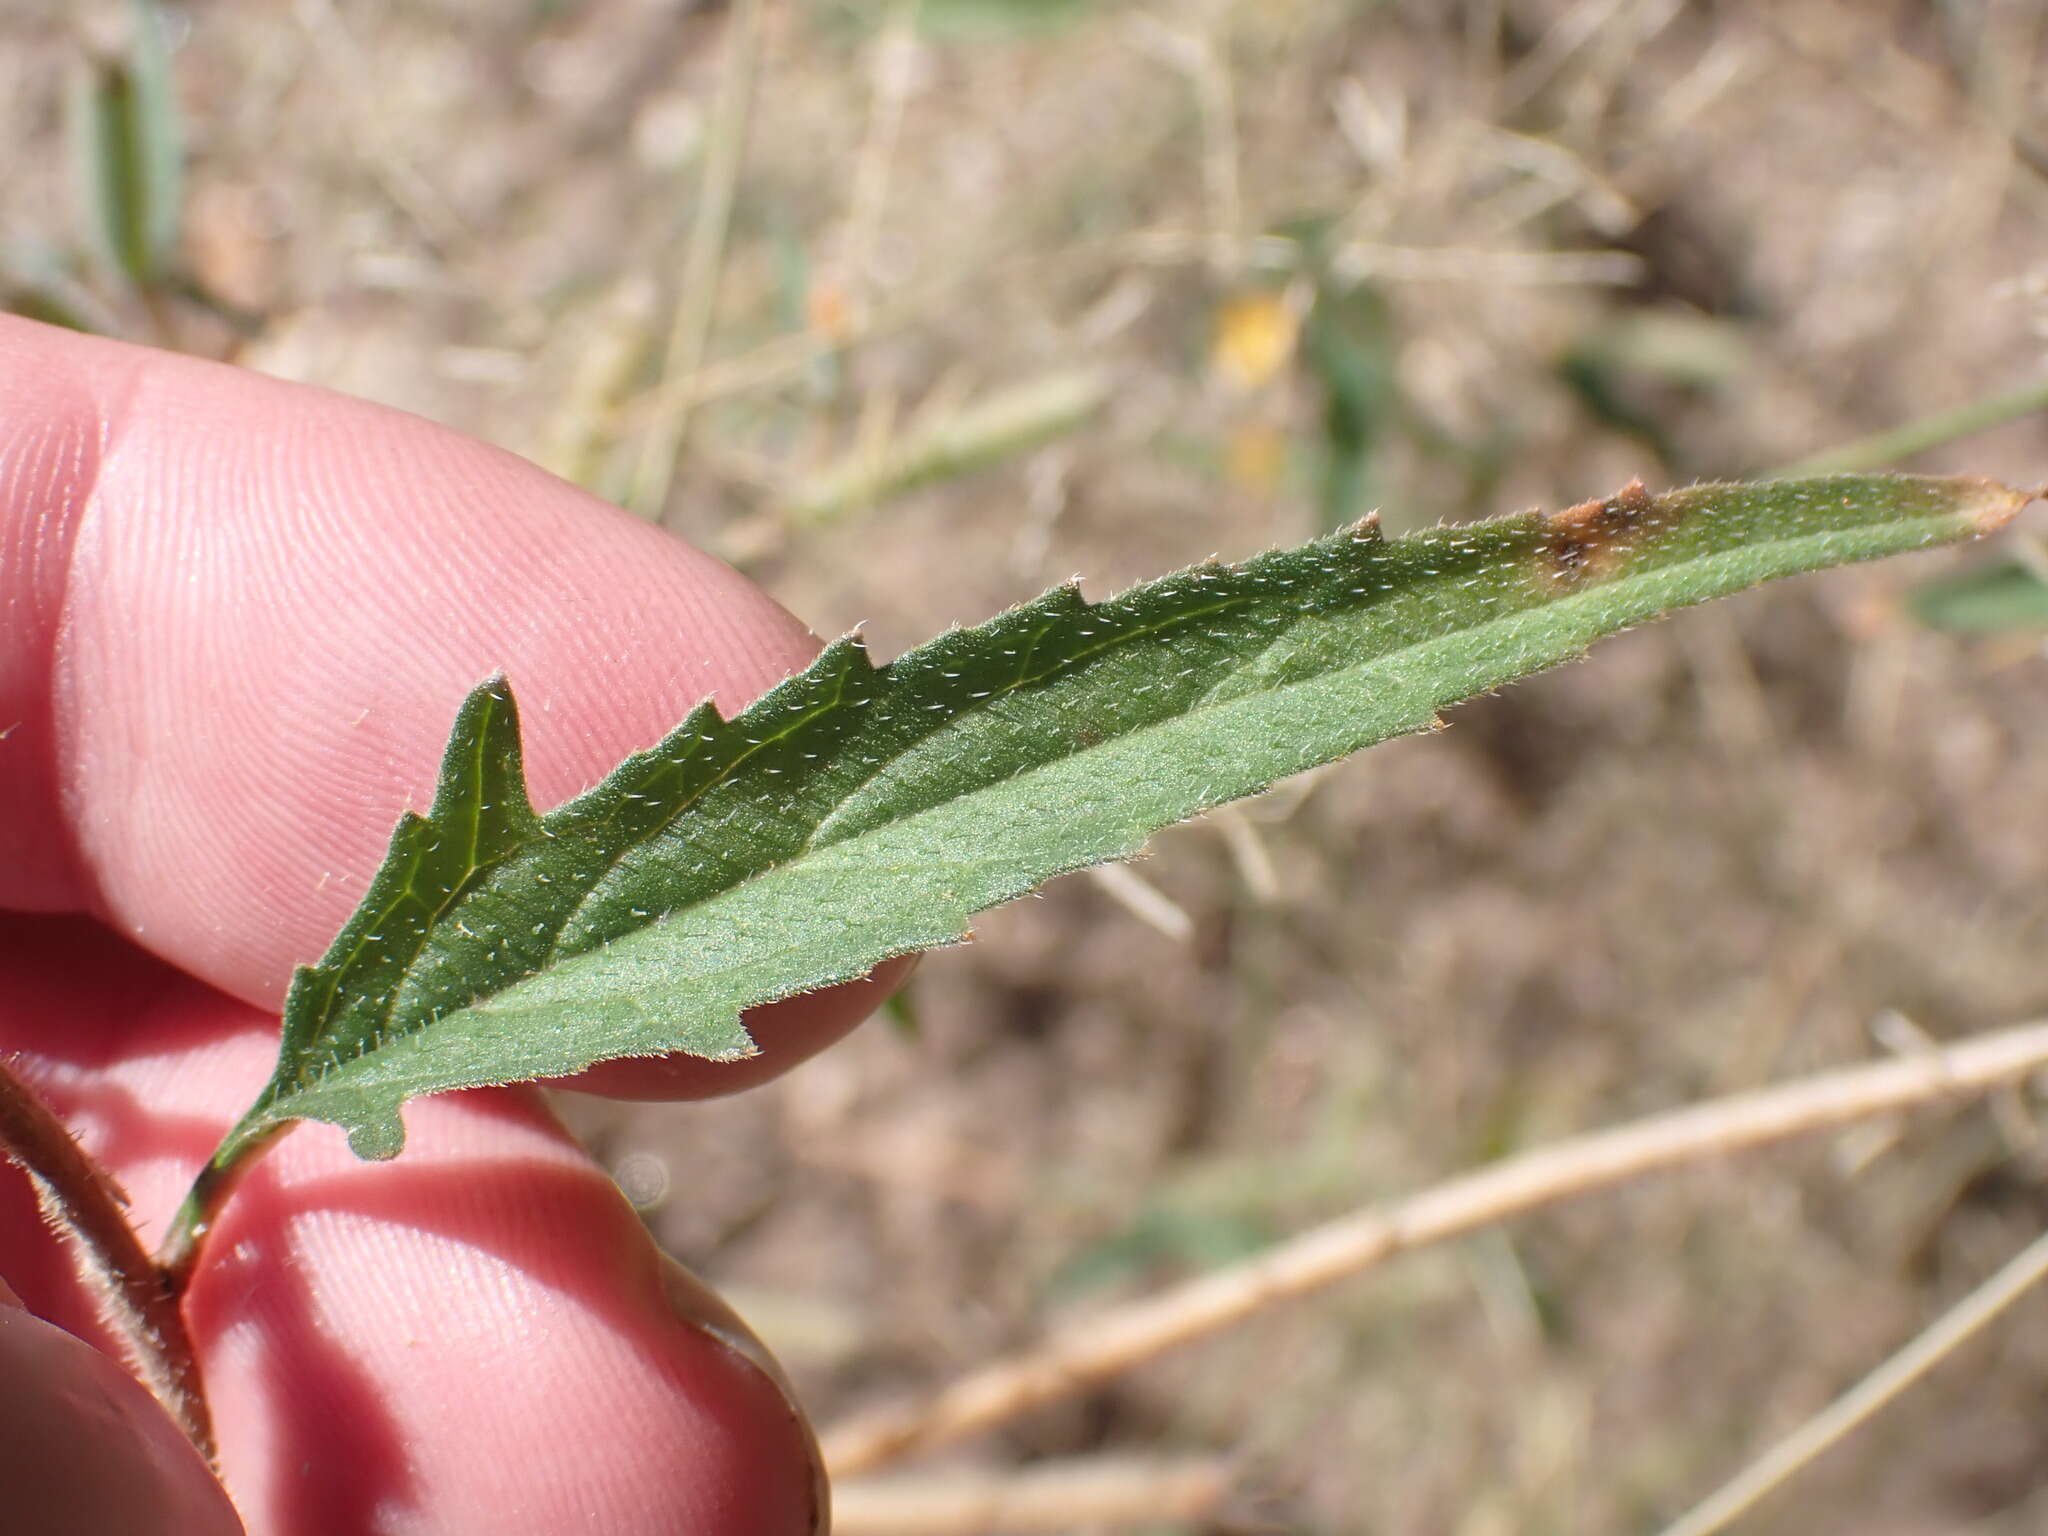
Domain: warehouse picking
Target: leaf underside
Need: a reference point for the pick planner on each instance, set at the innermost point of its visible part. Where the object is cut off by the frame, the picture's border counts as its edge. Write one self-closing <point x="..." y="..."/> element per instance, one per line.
<point x="856" y="813"/>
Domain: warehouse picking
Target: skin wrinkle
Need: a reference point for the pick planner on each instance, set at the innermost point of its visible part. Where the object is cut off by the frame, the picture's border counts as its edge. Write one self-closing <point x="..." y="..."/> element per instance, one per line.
<point x="50" y="527"/>
<point x="84" y="753"/>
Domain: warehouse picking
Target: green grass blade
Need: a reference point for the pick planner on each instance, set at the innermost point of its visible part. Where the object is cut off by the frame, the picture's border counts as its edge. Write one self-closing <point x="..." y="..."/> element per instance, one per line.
<point x="856" y="813"/>
<point x="128" y="146"/>
<point x="1993" y="599"/>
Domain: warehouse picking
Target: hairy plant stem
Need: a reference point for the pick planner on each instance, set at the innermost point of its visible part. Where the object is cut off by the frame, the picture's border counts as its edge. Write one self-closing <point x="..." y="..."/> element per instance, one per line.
<point x="82" y="1204"/>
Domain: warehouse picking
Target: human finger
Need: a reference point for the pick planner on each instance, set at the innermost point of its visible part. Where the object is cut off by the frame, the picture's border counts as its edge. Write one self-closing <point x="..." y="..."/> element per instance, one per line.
<point x="241" y="616"/>
<point x="478" y="1336"/>
<point x="84" y="1449"/>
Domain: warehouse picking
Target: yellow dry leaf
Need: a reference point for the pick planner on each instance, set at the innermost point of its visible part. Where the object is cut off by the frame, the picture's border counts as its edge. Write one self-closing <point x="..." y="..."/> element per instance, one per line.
<point x="1255" y="336"/>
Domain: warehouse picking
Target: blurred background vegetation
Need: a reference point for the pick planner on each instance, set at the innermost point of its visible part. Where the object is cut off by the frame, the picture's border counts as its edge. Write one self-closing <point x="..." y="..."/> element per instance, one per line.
<point x="911" y="308"/>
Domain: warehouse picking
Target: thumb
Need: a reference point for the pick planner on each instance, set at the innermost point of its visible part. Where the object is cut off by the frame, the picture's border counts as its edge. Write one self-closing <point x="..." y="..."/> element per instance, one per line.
<point x="239" y="617"/>
<point x="83" y="1449"/>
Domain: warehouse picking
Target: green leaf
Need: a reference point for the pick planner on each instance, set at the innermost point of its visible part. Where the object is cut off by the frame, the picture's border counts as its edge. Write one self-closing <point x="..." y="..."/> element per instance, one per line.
<point x="1991" y="599"/>
<point x="856" y="813"/>
<point x="129" y="152"/>
<point x="1348" y="343"/>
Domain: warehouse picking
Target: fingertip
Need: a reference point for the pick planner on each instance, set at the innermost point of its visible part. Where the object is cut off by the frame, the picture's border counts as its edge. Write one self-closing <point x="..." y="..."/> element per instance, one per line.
<point x="477" y="1335"/>
<point x="273" y="600"/>
<point x="770" y="1440"/>
<point x="483" y="1328"/>
<point x="84" y="1449"/>
<point x="248" y="611"/>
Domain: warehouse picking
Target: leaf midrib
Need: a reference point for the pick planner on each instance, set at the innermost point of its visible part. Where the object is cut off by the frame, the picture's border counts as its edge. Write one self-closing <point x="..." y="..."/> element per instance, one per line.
<point x="1560" y="607"/>
<point x="1209" y="701"/>
<point x="613" y="860"/>
<point x="473" y="865"/>
<point x="881" y="767"/>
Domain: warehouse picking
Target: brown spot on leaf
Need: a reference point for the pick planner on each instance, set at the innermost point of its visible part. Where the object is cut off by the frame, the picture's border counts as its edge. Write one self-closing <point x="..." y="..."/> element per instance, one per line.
<point x="1590" y="541"/>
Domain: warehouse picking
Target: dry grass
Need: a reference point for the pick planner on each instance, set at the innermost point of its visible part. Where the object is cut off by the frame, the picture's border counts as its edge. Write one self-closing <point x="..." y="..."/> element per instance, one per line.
<point x="1710" y="856"/>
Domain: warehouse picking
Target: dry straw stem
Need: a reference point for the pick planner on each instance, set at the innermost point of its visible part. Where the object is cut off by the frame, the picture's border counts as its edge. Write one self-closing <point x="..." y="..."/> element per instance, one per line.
<point x="374" y="131"/>
<point x="1114" y="1342"/>
<point x="611" y="346"/>
<point x="1144" y="901"/>
<point x="703" y="263"/>
<point x="1927" y="1349"/>
<point x="1205" y="62"/>
<point x="893" y="67"/>
<point x="1896" y="443"/>
<point x="81" y="1204"/>
<point x="775" y="363"/>
<point x="1092" y="1493"/>
<point x="1003" y="424"/>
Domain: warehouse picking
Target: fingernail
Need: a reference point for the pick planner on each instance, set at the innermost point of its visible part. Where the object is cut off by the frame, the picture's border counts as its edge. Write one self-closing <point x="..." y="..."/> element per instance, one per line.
<point x="696" y="1304"/>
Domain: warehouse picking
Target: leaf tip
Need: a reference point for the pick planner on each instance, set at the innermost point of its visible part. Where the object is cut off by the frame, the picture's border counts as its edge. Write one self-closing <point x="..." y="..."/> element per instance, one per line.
<point x="845" y="659"/>
<point x="488" y="706"/>
<point x="492" y="691"/>
<point x="1990" y="504"/>
<point x="377" y="1137"/>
